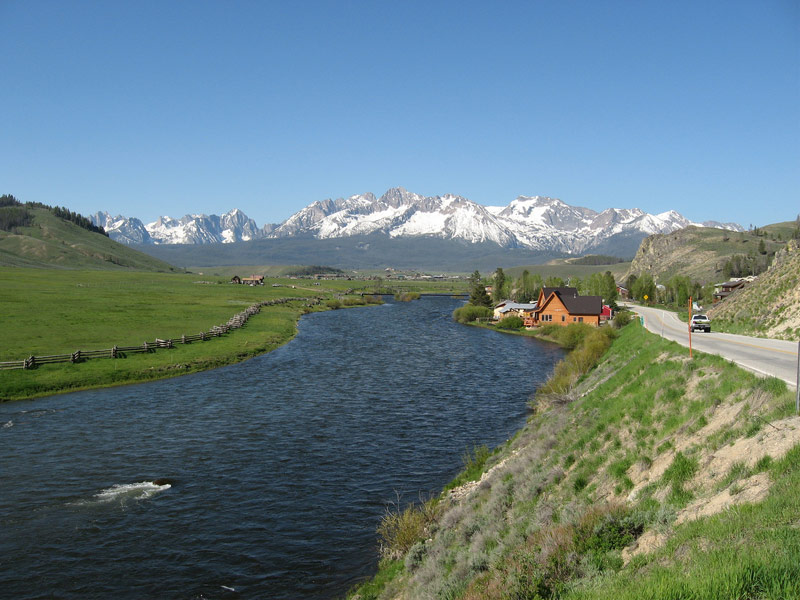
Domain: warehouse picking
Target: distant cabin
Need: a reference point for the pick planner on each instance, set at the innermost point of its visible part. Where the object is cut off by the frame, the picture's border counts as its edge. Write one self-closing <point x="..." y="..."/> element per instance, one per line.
<point x="726" y="289"/>
<point x="252" y="280"/>
<point x="507" y="308"/>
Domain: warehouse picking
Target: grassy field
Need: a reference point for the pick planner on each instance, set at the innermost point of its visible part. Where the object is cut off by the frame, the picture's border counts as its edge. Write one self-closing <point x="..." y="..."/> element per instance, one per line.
<point x="46" y="312"/>
<point x="54" y="312"/>
<point x="653" y="476"/>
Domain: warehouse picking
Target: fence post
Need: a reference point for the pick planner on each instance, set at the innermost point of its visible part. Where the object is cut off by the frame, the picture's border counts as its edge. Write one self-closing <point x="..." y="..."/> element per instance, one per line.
<point x="30" y="362"/>
<point x="76" y="356"/>
<point x="183" y="338"/>
<point x="114" y="352"/>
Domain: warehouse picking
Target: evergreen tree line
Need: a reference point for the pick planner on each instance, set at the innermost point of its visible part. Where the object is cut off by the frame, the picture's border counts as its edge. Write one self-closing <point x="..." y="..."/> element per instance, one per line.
<point x="527" y="286"/>
<point x="15" y="214"/>
<point x="741" y="265"/>
<point x="675" y="292"/>
<point x="78" y="219"/>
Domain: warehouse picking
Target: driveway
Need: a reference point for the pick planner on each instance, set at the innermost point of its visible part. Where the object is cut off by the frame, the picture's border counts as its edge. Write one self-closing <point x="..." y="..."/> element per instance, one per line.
<point x="764" y="356"/>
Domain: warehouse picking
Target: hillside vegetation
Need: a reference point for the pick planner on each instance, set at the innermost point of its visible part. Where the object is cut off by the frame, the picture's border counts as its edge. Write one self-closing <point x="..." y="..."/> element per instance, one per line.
<point x="35" y="236"/>
<point x="654" y="476"/>
<point x="567" y="268"/>
<point x="701" y="253"/>
<point x="770" y="306"/>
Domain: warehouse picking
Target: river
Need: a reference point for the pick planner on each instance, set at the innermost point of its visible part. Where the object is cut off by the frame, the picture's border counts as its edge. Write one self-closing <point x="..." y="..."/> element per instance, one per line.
<point x="280" y="466"/>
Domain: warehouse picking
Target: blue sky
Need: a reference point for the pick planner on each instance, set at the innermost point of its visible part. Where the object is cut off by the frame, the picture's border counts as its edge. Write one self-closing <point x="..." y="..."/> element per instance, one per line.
<point x="149" y="108"/>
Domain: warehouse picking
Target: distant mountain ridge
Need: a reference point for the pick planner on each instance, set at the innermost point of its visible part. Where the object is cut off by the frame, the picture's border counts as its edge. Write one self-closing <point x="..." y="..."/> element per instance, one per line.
<point x="233" y="226"/>
<point x="530" y="222"/>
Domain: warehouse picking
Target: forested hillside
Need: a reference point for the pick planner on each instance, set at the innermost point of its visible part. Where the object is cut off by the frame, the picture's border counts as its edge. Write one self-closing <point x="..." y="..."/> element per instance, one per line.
<point x="36" y="235"/>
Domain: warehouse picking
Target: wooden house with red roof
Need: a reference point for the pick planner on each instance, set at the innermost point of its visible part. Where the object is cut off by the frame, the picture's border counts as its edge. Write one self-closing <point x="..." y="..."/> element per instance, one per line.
<point x="563" y="305"/>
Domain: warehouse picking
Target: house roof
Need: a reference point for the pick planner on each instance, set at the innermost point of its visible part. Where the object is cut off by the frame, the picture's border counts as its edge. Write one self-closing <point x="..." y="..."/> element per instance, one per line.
<point x="564" y="290"/>
<point x="733" y="283"/>
<point x="575" y="304"/>
<point x="508" y="305"/>
<point x="583" y="305"/>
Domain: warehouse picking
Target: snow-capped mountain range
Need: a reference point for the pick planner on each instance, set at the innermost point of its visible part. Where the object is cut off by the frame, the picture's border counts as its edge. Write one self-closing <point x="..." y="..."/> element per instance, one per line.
<point x="533" y="222"/>
<point x="233" y="226"/>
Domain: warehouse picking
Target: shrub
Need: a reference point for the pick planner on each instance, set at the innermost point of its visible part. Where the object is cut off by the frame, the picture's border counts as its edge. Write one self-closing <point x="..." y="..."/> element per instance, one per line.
<point x="592" y="346"/>
<point x="573" y="334"/>
<point x="400" y="530"/>
<point x="354" y="302"/>
<point x="406" y="296"/>
<point x="622" y="318"/>
<point x="512" y="322"/>
<point x="470" y="313"/>
<point x="334" y="304"/>
<point x="415" y="556"/>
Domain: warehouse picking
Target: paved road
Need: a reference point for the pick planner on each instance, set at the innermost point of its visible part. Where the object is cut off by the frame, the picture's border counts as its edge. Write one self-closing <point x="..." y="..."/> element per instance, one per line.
<point x="764" y="356"/>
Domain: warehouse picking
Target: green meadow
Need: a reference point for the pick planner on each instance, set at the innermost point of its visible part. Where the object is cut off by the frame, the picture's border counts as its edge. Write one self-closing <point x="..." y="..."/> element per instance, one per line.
<point x="50" y="311"/>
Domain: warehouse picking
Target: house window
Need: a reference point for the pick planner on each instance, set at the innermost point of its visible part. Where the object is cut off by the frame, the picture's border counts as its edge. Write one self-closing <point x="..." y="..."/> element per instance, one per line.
<point x="580" y="319"/>
<point x="563" y="318"/>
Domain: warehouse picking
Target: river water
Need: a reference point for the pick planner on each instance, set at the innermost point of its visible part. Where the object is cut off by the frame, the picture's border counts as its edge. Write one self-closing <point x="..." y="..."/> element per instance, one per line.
<point x="280" y="467"/>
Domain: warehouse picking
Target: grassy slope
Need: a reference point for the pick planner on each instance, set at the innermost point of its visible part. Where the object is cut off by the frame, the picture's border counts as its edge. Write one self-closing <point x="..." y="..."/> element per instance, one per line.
<point x="770" y="306"/>
<point x="697" y="252"/>
<point x="603" y="496"/>
<point x="55" y="243"/>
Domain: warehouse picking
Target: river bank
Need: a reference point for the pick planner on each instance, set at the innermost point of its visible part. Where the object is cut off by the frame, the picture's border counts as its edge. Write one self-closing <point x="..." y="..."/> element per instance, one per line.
<point x="647" y="477"/>
<point x="93" y="310"/>
<point x="281" y="466"/>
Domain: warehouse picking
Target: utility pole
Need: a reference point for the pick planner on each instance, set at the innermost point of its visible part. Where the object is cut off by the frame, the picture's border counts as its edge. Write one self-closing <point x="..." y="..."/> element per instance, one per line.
<point x="690" y="326"/>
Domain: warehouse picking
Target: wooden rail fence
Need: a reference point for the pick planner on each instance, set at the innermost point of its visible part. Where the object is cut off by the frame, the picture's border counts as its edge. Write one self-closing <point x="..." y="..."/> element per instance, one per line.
<point x="235" y="322"/>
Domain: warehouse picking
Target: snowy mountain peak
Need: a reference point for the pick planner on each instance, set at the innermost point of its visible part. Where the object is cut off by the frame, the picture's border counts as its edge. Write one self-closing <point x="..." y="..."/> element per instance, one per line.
<point x="534" y="222"/>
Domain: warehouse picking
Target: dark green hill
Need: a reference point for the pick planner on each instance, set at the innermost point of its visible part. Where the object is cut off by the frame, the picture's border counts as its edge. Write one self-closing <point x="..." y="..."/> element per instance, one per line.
<point x="33" y="236"/>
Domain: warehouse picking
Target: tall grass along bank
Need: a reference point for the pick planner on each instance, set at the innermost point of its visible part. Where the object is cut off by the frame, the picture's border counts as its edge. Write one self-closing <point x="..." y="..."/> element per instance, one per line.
<point x="647" y="475"/>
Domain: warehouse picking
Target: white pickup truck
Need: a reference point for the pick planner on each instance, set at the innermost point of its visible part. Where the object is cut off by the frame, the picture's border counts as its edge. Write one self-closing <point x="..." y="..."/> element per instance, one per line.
<point x="701" y="322"/>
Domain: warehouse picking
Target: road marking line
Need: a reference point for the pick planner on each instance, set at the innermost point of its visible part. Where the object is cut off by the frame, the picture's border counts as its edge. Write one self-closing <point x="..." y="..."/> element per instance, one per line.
<point x="674" y="329"/>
